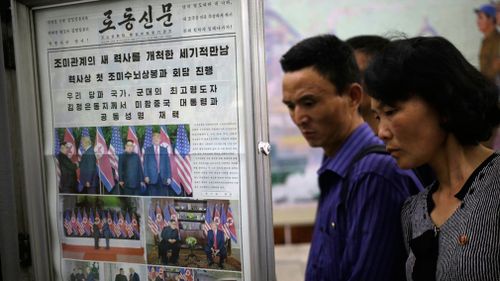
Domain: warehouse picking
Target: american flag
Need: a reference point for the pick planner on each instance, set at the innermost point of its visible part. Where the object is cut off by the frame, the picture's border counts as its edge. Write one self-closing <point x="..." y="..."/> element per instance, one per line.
<point x="148" y="141"/>
<point x="155" y="215"/>
<point x="57" y="147"/>
<point x="208" y="220"/>
<point x="79" y="221"/>
<point x="128" y="225"/>
<point x="74" y="223"/>
<point x="182" y="173"/>
<point x="67" y="224"/>
<point x="115" y="150"/>
<point x="165" y="142"/>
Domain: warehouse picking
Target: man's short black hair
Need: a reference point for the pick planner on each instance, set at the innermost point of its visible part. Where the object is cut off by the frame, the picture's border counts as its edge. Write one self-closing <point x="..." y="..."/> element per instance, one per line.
<point x="434" y="70"/>
<point x="328" y="55"/>
<point x="370" y="45"/>
<point x="129" y="140"/>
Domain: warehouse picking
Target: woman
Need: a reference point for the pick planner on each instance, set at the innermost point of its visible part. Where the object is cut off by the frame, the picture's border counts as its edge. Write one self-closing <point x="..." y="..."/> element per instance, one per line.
<point x="435" y="108"/>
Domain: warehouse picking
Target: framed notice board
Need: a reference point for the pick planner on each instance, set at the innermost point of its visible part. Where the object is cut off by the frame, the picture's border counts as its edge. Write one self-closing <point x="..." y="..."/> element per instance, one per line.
<point x="142" y="126"/>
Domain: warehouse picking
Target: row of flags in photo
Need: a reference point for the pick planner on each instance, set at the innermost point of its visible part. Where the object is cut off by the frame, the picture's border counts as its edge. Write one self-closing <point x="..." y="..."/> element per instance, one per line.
<point x="80" y="223"/>
<point x="108" y="156"/>
<point x="160" y="218"/>
<point x="159" y="273"/>
<point x="223" y="217"/>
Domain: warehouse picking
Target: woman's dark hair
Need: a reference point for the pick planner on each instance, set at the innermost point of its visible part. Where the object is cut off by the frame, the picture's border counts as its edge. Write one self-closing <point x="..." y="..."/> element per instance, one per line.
<point x="434" y="70"/>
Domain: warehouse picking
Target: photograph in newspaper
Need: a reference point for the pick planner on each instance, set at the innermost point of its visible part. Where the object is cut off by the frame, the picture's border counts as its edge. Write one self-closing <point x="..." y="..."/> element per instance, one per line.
<point x="74" y="270"/>
<point x="193" y="233"/>
<point x="124" y="272"/>
<point x="102" y="228"/>
<point x="149" y="160"/>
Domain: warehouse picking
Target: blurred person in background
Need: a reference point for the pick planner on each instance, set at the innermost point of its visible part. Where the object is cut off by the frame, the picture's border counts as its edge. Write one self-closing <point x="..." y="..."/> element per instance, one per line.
<point x="365" y="48"/>
<point x="490" y="45"/>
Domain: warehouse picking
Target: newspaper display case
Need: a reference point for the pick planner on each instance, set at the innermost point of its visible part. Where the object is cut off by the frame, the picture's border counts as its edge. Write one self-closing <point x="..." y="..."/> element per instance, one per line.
<point x="141" y="139"/>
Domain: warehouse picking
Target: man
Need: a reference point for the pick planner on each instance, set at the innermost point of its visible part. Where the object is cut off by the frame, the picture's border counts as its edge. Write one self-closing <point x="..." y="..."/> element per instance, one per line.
<point x="106" y="231"/>
<point x="88" y="167"/>
<point x="96" y="232"/>
<point x="215" y="245"/>
<point x="67" y="181"/>
<point x="79" y="275"/>
<point x="133" y="275"/>
<point x="490" y="46"/>
<point x="365" y="48"/>
<point x="170" y="241"/>
<point x="157" y="169"/>
<point x="121" y="276"/>
<point x="72" y="277"/>
<point x="130" y="170"/>
<point x="90" y="275"/>
<point x="357" y="233"/>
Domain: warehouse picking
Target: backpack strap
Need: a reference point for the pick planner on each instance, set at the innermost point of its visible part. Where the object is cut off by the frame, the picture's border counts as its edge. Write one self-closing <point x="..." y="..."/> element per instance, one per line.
<point x="377" y="148"/>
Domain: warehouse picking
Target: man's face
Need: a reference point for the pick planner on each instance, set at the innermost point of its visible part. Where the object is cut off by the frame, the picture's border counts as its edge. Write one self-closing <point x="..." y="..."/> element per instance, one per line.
<point x="156" y="139"/>
<point x="85" y="142"/>
<point x="64" y="149"/>
<point x="322" y="115"/>
<point x="484" y="23"/>
<point x="173" y="224"/>
<point x="129" y="147"/>
<point x="121" y="271"/>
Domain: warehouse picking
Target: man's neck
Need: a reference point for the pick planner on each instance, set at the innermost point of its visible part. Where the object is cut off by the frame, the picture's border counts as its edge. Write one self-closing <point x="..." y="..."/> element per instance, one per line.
<point x="490" y="31"/>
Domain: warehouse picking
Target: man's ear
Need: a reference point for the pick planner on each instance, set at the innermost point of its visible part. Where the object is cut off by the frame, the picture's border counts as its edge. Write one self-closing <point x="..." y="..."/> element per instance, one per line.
<point x="355" y="93"/>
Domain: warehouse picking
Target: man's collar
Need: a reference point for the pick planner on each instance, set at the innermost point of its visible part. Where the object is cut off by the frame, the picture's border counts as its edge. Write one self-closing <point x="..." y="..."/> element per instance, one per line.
<point x="359" y="138"/>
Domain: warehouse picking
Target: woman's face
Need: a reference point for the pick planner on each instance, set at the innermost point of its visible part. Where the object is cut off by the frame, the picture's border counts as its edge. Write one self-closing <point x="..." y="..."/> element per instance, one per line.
<point x="410" y="130"/>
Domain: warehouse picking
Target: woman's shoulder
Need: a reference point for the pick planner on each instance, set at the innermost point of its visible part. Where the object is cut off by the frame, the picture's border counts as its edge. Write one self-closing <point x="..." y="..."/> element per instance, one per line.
<point x="416" y="202"/>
